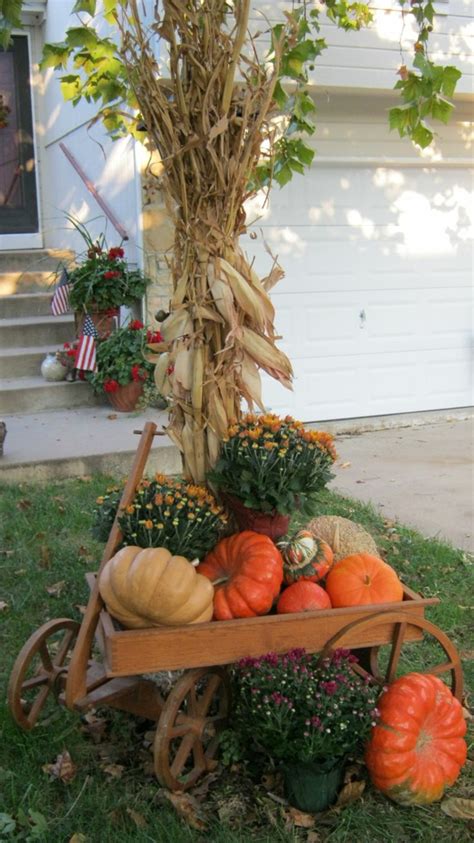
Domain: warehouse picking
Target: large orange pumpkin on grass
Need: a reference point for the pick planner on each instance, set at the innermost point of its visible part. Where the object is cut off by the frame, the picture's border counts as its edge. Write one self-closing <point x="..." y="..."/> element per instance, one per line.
<point x="417" y="748"/>
<point x="362" y="579"/>
<point x="246" y="570"/>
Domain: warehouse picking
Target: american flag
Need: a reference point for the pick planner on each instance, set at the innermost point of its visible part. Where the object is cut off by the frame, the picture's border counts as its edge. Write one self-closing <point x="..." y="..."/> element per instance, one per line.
<point x="60" y="300"/>
<point x="86" y="349"/>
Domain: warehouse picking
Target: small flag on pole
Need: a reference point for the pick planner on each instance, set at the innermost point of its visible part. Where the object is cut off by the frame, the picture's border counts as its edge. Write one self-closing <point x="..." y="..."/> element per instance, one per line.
<point x="86" y="349"/>
<point x="60" y="300"/>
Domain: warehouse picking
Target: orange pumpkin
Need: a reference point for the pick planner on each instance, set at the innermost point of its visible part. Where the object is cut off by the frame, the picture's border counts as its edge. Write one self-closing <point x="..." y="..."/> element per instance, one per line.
<point x="417" y="748"/>
<point x="305" y="557"/>
<point x="303" y="596"/>
<point x="246" y="570"/>
<point x="362" y="579"/>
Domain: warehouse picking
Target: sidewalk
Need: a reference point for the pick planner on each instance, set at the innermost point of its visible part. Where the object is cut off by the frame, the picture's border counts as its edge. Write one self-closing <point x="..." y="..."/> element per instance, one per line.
<point x="421" y="476"/>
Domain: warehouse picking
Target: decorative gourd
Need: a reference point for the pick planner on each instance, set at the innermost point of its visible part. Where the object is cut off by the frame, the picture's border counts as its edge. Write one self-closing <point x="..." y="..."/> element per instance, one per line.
<point x="305" y="557"/>
<point x="360" y="580"/>
<point x="247" y="571"/>
<point x="417" y="748"/>
<point x="303" y="596"/>
<point x="343" y="536"/>
<point x="143" y="588"/>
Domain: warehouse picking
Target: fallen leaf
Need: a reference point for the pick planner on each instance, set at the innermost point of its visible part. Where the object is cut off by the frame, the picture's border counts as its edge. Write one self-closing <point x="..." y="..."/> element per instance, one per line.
<point x="115" y="771"/>
<point x="301" y="819"/>
<point x="3" y="605"/>
<point x="56" y="589"/>
<point x="78" y="837"/>
<point x="137" y="818"/>
<point x="40" y="536"/>
<point x="94" y="726"/>
<point x="350" y="793"/>
<point x="45" y="557"/>
<point x="63" y="768"/>
<point x="313" y="837"/>
<point x="6" y="552"/>
<point x="24" y="504"/>
<point x="345" y="465"/>
<point x="112" y="416"/>
<point x="468" y="655"/>
<point x="187" y="808"/>
<point x="458" y="808"/>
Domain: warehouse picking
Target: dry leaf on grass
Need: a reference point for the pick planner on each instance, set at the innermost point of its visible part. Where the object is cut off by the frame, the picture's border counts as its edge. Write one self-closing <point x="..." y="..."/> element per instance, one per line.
<point x="3" y="605"/>
<point x="63" y="768"/>
<point x="350" y="793"/>
<point x="300" y="819"/>
<point x="94" y="726"/>
<point x="458" y="808"/>
<point x="115" y="771"/>
<point x="78" y="837"/>
<point x="24" y="504"/>
<point x="56" y="589"/>
<point x="45" y="557"/>
<point x="313" y="837"/>
<point x="137" y="818"/>
<point x="187" y="807"/>
<point x="112" y="416"/>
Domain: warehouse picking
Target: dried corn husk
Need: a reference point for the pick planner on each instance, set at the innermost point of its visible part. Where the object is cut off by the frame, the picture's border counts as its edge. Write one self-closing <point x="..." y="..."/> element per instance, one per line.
<point x="244" y="295"/>
<point x="177" y="324"/>
<point x="251" y="382"/>
<point x="183" y="366"/>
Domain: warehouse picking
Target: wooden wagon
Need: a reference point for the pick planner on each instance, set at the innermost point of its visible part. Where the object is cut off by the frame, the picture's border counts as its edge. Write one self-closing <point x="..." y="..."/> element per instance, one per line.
<point x="98" y="663"/>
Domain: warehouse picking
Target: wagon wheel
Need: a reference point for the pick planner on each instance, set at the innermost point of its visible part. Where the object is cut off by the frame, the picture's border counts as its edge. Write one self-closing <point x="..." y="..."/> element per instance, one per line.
<point x="186" y="739"/>
<point x="40" y="670"/>
<point x="383" y="663"/>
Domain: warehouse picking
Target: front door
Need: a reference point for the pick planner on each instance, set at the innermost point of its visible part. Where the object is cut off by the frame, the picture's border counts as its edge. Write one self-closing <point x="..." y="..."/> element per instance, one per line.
<point x="18" y="199"/>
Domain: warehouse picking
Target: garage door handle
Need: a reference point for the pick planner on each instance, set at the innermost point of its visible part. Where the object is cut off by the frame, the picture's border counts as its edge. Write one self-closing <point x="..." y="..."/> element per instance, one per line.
<point x="363" y="318"/>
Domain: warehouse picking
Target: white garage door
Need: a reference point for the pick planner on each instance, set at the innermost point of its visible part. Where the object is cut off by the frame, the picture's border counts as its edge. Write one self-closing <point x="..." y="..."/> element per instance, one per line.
<point x="376" y="306"/>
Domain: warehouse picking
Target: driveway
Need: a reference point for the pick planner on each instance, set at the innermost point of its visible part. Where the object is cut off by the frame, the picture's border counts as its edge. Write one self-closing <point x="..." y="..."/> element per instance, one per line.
<point x="422" y="476"/>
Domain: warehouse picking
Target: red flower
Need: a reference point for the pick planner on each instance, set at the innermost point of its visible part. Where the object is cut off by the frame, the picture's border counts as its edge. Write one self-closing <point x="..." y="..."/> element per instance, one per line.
<point x="115" y="252"/>
<point x="138" y="374"/>
<point x="136" y="325"/>
<point x="170" y="369"/>
<point x="67" y="345"/>
<point x="112" y="273"/>
<point x="111" y="386"/>
<point x="72" y="352"/>
<point x="153" y="336"/>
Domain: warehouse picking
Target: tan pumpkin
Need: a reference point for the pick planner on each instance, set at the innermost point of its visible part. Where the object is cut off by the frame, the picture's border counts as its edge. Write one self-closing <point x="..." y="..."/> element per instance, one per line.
<point x="151" y="587"/>
<point x="343" y="536"/>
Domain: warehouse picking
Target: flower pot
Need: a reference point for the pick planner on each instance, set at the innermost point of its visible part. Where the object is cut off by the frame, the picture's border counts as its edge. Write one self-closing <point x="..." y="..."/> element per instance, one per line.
<point x="271" y="524"/>
<point x="313" y="785"/>
<point x="125" y="398"/>
<point x="105" y="321"/>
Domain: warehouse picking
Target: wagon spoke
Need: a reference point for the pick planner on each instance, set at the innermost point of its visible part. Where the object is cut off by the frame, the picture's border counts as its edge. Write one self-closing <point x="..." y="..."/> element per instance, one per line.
<point x="34" y="711"/>
<point x="182" y="754"/>
<point x="192" y="702"/>
<point x="179" y="730"/>
<point x="199" y="758"/>
<point x="45" y="657"/>
<point x="34" y="682"/>
<point x="440" y="668"/>
<point x="205" y="700"/>
<point x="397" y="643"/>
<point x="64" y="648"/>
<point x="365" y="674"/>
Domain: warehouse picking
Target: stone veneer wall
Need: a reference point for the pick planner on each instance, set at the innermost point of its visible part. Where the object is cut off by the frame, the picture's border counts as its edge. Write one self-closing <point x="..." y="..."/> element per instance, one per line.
<point x="158" y="238"/>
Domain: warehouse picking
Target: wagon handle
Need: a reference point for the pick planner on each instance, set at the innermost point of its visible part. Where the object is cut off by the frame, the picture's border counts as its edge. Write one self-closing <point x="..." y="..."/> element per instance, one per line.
<point x="77" y="672"/>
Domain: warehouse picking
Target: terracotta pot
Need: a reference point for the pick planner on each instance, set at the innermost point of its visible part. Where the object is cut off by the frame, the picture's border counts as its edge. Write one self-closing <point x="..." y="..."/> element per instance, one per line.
<point x="105" y="321"/>
<point x="271" y="524"/>
<point x="125" y="399"/>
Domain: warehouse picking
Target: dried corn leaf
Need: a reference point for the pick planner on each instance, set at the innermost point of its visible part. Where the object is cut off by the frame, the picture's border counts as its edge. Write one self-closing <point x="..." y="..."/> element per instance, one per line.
<point x="177" y="324"/>
<point x="266" y="354"/>
<point x="244" y="295"/>
<point x="251" y="381"/>
<point x="197" y="379"/>
<point x="224" y="300"/>
<point x="183" y="367"/>
<point x="161" y="371"/>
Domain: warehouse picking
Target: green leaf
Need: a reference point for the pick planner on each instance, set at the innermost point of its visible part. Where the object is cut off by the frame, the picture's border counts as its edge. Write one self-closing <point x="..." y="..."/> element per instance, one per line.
<point x="280" y="96"/>
<point x="441" y="109"/>
<point x="110" y="7"/>
<point x="88" y="6"/>
<point x="421" y="135"/>
<point x="70" y="86"/>
<point x="305" y="153"/>
<point x="82" y="36"/>
<point x="55" y="55"/>
<point x="451" y="76"/>
<point x="283" y="174"/>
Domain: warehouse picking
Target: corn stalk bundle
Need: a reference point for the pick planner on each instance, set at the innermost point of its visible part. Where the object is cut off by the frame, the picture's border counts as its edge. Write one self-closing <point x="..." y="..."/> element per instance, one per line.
<point x="208" y="118"/>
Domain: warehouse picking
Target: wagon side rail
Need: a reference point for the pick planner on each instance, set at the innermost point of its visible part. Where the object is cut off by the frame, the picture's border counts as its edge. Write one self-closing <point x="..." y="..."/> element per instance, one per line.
<point x="76" y="684"/>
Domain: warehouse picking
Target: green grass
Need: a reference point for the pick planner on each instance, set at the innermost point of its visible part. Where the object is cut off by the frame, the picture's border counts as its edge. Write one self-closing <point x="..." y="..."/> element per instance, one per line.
<point x="44" y="540"/>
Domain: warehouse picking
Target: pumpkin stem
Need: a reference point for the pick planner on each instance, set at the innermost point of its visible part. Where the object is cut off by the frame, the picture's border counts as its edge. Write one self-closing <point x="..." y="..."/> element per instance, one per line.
<point x="367" y="580"/>
<point x="220" y="580"/>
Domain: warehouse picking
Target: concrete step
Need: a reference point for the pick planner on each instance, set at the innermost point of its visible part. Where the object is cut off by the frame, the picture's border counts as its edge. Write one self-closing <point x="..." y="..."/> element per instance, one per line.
<point x="25" y="304"/>
<point x="34" y="394"/>
<point x="33" y="260"/>
<point x="36" y="330"/>
<point x="78" y="443"/>
<point x="12" y="282"/>
<point x="23" y="362"/>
